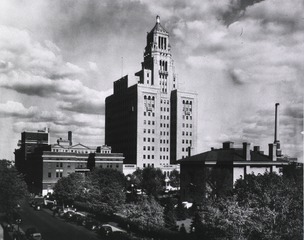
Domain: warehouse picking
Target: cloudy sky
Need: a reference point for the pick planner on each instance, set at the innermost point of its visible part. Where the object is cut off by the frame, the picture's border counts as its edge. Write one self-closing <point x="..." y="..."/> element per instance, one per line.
<point x="59" y="58"/>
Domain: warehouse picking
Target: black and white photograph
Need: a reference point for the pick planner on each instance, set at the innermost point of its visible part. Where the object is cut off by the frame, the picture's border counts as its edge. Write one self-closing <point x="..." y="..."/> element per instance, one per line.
<point x="151" y="120"/>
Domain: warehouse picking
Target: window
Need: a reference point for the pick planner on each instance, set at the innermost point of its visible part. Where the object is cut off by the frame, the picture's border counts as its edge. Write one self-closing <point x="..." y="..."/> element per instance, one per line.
<point x="144" y="165"/>
<point x="144" y="148"/>
<point x="149" y="122"/>
<point x="144" y="139"/>
<point x="152" y="148"/>
<point x="152" y="139"/>
<point x="57" y="174"/>
<point x="49" y="174"/>
<point x="144" y="130"/>
<point x="144" y="156"/>
<point x="144" y="113"/>
<point x="60" y="174"/>
<point x="145" y="121"/>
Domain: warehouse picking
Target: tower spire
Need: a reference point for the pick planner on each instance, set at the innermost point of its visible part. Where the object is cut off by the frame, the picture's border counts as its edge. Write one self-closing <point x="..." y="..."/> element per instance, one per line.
<point x="157" y="19"/>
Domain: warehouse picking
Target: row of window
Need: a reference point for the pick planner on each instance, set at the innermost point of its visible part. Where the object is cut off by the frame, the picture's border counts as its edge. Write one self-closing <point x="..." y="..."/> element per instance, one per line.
<point x="58" y="174"/>
<point x="163" y="157"/>
<point x="148" y="165"/>
<point x="148" y="156"/>
<point x="149" y="97"/>
<point x="164" y="125"/>
<point x="148" y="130"/>
<point x="71" y="150"/>
<point x="164" y="141"/>
<point x="164" y="117"/>
<point x="187" y="102"/>
<point x="149" y="113"/>
<point x="164" y="109"/>
<point x="148" y="148"/>
<point x="187" y="117"/>
<point x="187" y="141"/>
<point x="165" y="101"/>
<point x="164" y="149"/>
<point x="187" y="125"/>
<point x="164" y="133"/>
<point x="186" y="133"/>
<point x="149" y="122"/>
<point x="148" y="139"/>
<point x="163" y="65"/>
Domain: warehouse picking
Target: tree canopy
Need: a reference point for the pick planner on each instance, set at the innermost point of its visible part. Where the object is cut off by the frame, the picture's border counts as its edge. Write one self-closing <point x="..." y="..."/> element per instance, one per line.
<point x="267" y="206"/>
<point x="147" y="213"/>
<point x="152" y="181"/>
<point x="67" y="189"/>
<point x="105" y="190"/>
<point x="13" y="188"/>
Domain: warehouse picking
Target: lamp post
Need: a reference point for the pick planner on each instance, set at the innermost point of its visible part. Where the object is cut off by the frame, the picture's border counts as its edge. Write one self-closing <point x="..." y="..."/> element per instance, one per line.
<point x="18" y="221"/>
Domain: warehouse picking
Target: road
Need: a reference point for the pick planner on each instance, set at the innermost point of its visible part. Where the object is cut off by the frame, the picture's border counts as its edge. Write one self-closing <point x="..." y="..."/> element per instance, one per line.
<point x="53" y="228"/>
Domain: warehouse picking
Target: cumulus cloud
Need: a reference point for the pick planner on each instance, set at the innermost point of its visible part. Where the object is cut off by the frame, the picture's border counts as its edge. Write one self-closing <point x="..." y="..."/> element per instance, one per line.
<point x="35" y="70"/>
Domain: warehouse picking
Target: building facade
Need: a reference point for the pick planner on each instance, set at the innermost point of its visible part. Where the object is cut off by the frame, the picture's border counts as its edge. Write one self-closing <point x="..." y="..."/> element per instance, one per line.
<point x="217" y="170"/>
<point x="152" y="123"/>
<point x="30" y="140"/>
<point x="64" y="159"/>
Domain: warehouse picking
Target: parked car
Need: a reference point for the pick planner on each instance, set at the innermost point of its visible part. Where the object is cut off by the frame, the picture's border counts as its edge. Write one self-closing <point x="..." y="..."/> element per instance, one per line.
<point x="33" y="234"/>
<point x="79" y="218"/>
<point x="92" y="224"/>
<point x="68" y="215"/>
<point x="37" y="206"/>
<point x="105" y="230"/>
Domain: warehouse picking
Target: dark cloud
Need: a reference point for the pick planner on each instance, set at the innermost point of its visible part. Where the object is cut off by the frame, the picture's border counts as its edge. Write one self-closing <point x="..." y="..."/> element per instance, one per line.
<point x="236" y="10"/>
<point x="83" y="106"/>
<point x="233" y="76"/>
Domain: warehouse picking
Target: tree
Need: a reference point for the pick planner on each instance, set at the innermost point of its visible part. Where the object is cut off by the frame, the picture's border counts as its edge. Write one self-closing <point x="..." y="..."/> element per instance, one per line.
<point x="153" y="181"/>
<point x="13" y="189"/>
<point x="267" y="206"/>
<point x="169" y="216"/>
<point x="147" y="214"/>
<point x="105" y="190"/>
<point x="69" y="188"/>
<point x="91" y="161"/>
<point x="174" y="179"/>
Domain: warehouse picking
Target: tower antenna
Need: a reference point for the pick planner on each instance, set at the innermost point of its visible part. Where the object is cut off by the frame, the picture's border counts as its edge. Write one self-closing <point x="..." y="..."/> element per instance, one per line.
<point x="122" y="60"/>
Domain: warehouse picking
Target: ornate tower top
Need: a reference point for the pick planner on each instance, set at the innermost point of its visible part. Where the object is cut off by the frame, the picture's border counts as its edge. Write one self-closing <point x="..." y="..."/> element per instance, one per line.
<point x="157" y="19"/>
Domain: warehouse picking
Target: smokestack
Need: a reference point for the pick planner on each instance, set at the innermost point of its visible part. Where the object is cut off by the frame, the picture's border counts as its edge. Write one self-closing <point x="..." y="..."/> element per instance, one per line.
<point x="276" y="140"/>
<point x="70" y="137"/>
<point x="276" y="123"/>
<point x="272" y="151"/>
<point x="246" y="151"/>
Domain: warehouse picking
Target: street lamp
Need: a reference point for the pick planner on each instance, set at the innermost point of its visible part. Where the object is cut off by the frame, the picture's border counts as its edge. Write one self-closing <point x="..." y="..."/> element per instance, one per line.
<point x="18" y="221"/>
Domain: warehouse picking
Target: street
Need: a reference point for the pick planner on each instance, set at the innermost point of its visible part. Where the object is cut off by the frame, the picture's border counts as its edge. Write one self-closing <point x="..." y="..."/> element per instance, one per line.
<point x="53" y="228"/>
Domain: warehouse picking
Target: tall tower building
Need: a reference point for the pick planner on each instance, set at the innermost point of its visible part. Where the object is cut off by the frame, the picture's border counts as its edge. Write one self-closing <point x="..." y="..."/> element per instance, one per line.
<point x="153" y="123"/>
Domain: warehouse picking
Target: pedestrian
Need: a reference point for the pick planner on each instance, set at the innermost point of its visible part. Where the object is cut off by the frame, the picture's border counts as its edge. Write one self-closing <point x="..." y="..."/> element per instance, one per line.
<point x="183" y="229"/>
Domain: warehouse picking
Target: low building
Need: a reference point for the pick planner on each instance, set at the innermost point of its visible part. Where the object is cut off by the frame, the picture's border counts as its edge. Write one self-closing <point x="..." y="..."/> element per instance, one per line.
<point x="64" y="159"/>
<point x="217" y="170"/>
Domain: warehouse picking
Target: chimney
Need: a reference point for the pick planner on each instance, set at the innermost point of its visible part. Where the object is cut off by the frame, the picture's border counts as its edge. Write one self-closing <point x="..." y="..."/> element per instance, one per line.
<point x="278" y="151"/>
<point x="276" y="123"/>
<point x="228" y="145"/>
<point x="272" y="151"/>
<point x="256" y="148"/>
<point x="246" y="151"/>
<point x="70" y="137"/>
